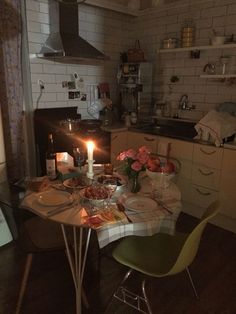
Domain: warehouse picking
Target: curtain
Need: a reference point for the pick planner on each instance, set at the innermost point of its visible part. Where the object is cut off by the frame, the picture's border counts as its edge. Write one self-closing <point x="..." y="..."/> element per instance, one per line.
<point x="11" y="91"/>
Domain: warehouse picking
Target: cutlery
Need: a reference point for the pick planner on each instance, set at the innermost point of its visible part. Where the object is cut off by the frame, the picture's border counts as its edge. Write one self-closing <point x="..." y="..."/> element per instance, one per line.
<point x="159" y="202"/>
<point x="164" y="206"/>
<point x="59" y="209"/>
<point x="121" y="208"/>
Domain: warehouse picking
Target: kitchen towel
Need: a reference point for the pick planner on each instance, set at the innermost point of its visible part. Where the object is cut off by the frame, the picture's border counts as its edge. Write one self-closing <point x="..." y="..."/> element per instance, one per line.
<point x="218" y="125"/>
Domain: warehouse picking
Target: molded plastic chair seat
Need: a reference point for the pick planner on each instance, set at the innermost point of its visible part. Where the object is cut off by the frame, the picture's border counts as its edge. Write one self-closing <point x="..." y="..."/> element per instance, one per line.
<point x="160" y="255"/>
<point x="140" y="253"/>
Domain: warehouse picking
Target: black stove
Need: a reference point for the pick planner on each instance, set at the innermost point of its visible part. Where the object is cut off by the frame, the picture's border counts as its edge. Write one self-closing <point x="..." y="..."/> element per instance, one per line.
<point x="68" y="131"/>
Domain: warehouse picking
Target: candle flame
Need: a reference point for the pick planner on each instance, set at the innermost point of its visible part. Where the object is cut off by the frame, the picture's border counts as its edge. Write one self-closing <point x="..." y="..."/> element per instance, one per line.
<point x="90" y="145"/>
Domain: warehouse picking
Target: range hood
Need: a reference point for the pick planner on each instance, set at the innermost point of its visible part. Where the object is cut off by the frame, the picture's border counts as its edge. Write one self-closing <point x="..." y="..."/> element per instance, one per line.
<point x="64" y="43"/>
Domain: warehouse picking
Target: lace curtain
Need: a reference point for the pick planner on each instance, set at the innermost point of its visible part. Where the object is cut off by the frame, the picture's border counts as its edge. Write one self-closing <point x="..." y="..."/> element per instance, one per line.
<point x="11" y="91"/>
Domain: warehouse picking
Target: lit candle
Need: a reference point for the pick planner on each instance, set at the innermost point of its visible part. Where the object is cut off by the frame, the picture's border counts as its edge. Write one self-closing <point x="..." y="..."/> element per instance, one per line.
<point x="90" y="147"/>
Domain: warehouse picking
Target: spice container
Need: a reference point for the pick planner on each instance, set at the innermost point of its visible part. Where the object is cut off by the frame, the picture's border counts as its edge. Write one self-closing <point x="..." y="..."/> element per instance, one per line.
<point x="169" y="43"/>
<point x="188" y="34"/>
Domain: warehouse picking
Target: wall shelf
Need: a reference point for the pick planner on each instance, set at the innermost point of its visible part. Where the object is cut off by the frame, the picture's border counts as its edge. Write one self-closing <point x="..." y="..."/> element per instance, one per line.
<point x="209" y="47"/>
<point x="218" y="76"/>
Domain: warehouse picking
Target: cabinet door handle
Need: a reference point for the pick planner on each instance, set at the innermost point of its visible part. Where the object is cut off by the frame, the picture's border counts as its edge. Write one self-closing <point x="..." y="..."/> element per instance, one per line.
<point x="115" y="137"/>
<point x="207" y="153"/>
<point x="149" y="139"/>
<point x="205" y="173"/>
<point x="203" y="193"/>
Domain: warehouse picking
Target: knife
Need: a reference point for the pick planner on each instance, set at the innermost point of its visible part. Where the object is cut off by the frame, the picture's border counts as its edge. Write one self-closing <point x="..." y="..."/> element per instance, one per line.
<point x="59" y="209"/>
<point x="121" y="208"/>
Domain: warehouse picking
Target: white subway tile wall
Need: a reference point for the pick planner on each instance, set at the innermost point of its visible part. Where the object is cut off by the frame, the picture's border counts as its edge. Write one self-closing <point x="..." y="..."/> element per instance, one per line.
<point x="106" y="30"/>
<point x="114" y="32"/>
<point x="156" y="25"/>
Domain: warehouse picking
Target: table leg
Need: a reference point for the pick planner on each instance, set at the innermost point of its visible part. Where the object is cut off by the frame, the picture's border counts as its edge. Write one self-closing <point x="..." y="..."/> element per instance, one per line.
<point x="77" y="261"/>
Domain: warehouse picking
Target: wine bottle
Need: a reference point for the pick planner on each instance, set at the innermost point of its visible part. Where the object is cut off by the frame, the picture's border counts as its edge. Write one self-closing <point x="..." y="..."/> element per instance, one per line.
<point x="51" y="159"/>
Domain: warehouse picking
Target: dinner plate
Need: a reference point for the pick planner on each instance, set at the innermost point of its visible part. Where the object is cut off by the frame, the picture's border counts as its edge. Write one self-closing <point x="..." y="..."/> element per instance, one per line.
<point x="140" y="203"/>
<point x="77" y="182"/>
<point x="54" y="198"/>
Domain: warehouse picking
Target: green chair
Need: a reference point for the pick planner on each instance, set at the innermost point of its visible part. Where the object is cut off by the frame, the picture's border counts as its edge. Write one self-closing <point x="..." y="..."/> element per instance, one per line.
<point x="159" y="255"/>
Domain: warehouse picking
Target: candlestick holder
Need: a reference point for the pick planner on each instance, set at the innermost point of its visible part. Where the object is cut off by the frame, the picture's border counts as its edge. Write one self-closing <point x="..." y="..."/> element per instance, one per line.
<point x="90" y="172"/>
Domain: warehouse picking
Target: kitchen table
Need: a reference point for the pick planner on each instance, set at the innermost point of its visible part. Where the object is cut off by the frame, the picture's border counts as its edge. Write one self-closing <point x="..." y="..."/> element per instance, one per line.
<point x="160" y="218"/>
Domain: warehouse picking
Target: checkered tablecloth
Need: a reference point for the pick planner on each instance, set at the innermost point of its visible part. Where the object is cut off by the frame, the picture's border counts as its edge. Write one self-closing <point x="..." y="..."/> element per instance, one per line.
<point x="143" y="224"/>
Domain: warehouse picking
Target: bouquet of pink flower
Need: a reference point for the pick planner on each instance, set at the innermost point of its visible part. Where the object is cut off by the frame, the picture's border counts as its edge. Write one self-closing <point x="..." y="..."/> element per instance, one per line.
<point x="135" y="160"/>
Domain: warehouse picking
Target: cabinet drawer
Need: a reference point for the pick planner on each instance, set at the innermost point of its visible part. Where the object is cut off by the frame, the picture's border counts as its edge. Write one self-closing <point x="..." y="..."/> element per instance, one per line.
<point x="185" y="188"/>
<point x="208" y="155"/>
<point x="205" y="176"/>
<point x="136" y="140"/>
<point x="202" y="196"/>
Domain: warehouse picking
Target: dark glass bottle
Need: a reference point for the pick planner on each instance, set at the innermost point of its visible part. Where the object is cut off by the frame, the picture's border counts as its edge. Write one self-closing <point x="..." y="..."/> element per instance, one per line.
<point x="51" y="159"/>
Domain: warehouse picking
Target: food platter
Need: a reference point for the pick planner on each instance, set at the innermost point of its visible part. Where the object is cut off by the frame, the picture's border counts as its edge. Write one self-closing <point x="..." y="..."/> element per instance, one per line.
<point x="77" y="182"/>
<point x="94" y="192"/>
<point x="121" y="181"/>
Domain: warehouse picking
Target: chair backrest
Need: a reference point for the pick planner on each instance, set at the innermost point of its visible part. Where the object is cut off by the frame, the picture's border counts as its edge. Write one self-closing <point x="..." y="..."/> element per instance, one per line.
<point x="190" y="247"/>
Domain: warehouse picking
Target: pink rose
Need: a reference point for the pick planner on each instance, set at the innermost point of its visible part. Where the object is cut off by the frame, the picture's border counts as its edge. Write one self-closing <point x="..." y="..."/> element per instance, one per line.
<point x="136" y="166"/>
<point x="121" y="156"/>
<point x="144" y="149"/>
<point x="130" y="153"/>
<point x="143" y="157"/>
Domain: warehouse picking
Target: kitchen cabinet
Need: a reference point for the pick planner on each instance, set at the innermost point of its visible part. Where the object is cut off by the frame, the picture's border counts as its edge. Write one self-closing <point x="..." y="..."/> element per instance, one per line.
<point x="136" y="140"/>
<point x="205" y="175"/>
<point x="228" y="183"/>
<point x="118" y="144"/>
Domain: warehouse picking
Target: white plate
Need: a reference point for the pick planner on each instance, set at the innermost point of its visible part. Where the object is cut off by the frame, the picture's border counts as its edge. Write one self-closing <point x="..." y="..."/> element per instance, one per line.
<point x="54" y="198"/>
<point x="140" y="203"/>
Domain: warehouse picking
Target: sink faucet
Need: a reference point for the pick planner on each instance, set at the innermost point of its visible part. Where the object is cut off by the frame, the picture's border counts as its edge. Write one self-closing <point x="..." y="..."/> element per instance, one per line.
<point x="183" y="103"/>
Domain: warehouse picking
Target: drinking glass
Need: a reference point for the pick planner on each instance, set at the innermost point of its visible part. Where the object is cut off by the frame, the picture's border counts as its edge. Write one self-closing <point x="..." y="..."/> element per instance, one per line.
<point x="79" y="156"/>
<point x="111" y="185"/>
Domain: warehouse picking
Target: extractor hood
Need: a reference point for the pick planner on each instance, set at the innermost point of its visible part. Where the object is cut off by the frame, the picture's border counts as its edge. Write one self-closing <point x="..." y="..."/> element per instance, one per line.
<point x="64" y="43"/>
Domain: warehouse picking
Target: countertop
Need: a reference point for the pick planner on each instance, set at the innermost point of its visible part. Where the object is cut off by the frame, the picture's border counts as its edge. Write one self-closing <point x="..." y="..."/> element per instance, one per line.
<point x="119" y="127"/>
<point x="116" y="127"/>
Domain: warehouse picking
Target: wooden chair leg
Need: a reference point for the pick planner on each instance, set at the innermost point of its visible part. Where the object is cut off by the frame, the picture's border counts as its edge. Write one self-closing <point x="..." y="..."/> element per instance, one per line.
<point x="24" y="281"/>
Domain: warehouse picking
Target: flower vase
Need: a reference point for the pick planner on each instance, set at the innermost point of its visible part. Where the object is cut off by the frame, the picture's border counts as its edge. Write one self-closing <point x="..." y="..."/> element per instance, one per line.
<point x="134" y="184"/>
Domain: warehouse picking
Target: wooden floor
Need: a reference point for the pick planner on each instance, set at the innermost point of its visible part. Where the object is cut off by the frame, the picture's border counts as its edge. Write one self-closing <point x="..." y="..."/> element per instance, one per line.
<point x="50" y="288"/>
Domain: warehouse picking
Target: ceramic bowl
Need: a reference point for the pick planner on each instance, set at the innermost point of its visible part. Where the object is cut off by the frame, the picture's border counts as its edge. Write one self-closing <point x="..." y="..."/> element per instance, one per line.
<point x="160" y="178"/>
<point x="218" y="40"/>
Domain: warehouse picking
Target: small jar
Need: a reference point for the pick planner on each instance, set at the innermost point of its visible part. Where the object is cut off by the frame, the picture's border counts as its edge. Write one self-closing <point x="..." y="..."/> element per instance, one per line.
<point x="127" y="120"/>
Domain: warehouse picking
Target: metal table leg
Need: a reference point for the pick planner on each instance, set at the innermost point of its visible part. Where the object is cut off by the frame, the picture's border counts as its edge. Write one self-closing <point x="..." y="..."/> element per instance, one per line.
<point x="77" y="261"/>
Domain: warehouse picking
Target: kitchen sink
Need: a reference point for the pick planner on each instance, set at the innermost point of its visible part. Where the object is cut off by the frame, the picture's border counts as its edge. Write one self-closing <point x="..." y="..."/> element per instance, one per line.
<point x="171" y="128"/>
